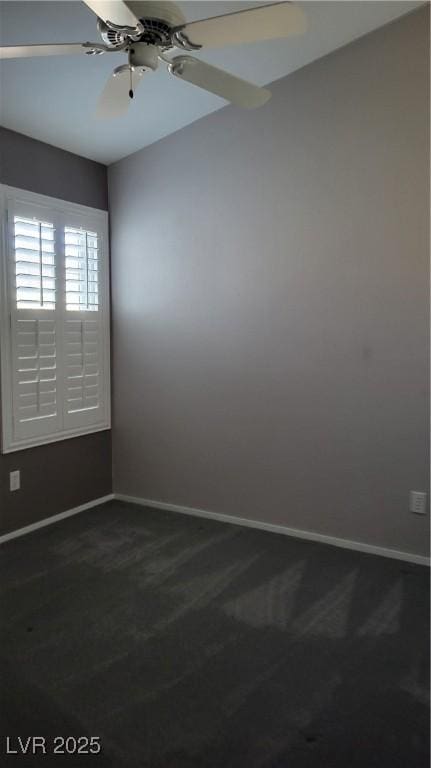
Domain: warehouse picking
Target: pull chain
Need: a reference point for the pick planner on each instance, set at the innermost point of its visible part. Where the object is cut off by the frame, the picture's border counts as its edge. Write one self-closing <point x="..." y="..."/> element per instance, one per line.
<point x="131" y="94"/>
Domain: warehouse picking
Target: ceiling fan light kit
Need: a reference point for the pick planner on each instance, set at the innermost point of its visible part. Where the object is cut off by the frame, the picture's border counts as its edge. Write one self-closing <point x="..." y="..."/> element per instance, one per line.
<point x="145" y="56"/>
<point x="147" y="32"/>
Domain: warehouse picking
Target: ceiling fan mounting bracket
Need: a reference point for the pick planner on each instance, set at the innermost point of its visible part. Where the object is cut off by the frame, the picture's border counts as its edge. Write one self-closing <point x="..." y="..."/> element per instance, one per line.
<point x="132" y="32"/>
<point x="176" y="66"/>
<point x="180" y="40"/>
<point x="96" y="48"/>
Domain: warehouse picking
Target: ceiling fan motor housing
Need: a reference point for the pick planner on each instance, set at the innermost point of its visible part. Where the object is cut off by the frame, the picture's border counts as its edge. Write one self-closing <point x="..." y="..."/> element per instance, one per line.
<point x="165" y="11"/>
<point x="158" y="20"/>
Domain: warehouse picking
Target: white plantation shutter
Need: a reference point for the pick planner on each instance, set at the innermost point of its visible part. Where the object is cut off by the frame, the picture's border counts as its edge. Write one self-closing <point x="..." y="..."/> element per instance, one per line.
<point x="85" y="398"/>
<point x="55" y="323"/>
<point x="34" y="263"/>
<point x="84" y="324"/>
<point x="34" y="372"/>
<point x="36" y="406"/>
<point x="83" y="327"/>
<point x="82" y="269"/>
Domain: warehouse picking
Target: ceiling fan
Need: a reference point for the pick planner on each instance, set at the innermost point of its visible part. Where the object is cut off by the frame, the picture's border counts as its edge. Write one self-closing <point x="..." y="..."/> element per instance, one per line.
<point x="147" y="32"/>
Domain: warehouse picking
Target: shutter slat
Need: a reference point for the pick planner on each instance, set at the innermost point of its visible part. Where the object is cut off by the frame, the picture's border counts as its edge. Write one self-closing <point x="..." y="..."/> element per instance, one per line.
<point x="34" y="340"/>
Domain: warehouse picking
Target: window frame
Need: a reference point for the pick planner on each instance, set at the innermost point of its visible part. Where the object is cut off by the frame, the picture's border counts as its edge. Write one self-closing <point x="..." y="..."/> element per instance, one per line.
<point x="68" y="214"/>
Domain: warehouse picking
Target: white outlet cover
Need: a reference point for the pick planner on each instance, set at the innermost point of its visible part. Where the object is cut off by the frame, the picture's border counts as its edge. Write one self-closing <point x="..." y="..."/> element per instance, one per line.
<point x="418" y="502"/>
<point x="14" y="480"/>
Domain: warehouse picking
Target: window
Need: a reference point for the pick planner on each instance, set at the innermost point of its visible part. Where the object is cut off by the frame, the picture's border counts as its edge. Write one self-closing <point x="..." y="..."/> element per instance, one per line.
<point x="55" y="320"/>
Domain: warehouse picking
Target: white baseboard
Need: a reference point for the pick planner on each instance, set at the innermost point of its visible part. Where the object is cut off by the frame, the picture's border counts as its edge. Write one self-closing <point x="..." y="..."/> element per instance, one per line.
<point x="55" y="518"/>
<point x="358" y="546"/>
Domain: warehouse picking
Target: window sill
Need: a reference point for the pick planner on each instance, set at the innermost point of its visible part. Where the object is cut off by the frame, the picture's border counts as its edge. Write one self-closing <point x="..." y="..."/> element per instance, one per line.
<point x="60" y="436"/>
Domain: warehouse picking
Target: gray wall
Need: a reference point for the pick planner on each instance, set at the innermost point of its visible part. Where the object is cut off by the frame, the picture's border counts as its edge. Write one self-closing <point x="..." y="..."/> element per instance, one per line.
<point x="270" y="301"/>
<point x="61" y="475"/>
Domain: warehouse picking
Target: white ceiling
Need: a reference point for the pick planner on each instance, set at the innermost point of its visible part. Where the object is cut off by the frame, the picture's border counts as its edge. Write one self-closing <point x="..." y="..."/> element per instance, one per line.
<point x="53" y="98"/>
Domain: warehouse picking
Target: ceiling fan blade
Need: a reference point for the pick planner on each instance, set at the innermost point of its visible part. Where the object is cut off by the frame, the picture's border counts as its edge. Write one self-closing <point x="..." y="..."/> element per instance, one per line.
<point x="114" y="12"/>
<point x="217" y="81"/>
<point x="114" y="99"/>
<point x="64" y="49"/>
<point x="263" y="23"/>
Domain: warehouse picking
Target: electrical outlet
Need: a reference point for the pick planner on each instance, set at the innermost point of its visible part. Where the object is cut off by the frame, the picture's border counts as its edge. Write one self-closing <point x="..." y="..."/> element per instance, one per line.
<point x="14" y="480"/>
<point x="418" y="502"/>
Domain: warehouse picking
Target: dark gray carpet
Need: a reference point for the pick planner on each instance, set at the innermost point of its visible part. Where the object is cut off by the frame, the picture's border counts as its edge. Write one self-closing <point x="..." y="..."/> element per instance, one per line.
<point x="185" y="643"/>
